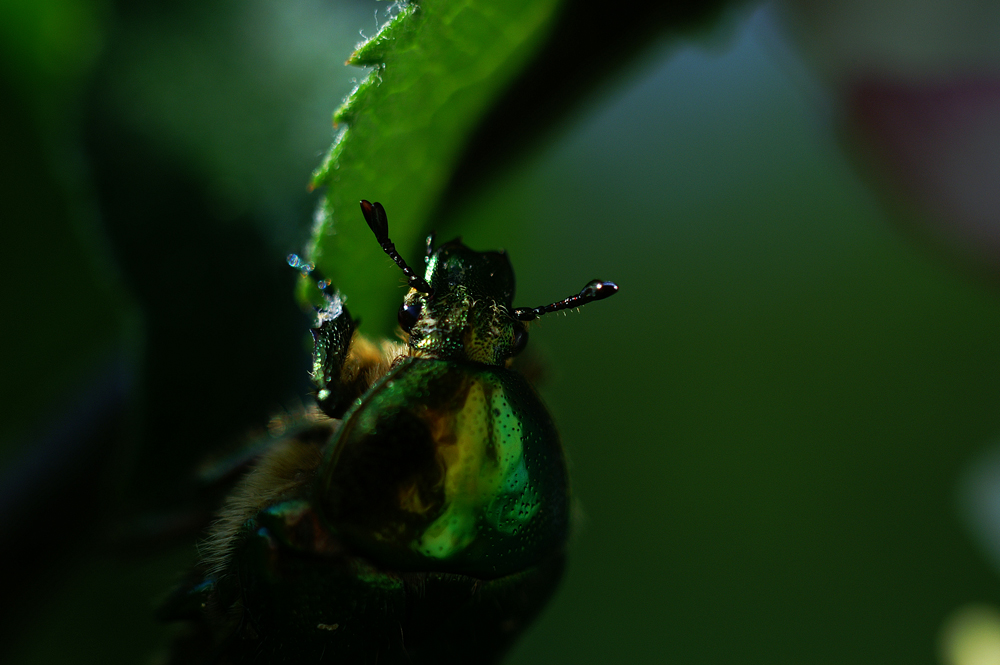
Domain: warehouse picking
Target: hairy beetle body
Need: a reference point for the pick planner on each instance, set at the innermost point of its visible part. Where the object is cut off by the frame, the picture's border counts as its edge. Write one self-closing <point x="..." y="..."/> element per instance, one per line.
<point x="420" y="514"/>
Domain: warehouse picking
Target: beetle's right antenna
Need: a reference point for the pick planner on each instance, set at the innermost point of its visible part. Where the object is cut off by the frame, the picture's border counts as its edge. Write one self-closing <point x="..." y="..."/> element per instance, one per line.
<point x="379" y="224"/>
<point x="595" y="290"/>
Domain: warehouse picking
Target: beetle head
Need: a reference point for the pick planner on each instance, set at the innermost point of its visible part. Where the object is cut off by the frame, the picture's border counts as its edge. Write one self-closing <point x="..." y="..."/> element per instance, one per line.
<point x="462" y="308"/>
<point x="469" y="314"/>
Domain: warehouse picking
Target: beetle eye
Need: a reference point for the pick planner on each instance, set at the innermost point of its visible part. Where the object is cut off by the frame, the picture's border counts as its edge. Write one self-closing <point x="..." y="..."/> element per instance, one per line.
<point x="520" y="341"/>
<point x="408" y="315"/>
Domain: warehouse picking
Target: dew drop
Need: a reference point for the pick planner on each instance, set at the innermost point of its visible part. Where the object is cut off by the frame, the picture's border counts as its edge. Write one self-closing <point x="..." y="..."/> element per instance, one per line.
<point x="295" y="261"/>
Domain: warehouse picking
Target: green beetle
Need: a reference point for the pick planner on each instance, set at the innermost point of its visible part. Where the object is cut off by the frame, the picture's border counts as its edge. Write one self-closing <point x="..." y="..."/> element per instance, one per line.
<point x="420" y="514"/>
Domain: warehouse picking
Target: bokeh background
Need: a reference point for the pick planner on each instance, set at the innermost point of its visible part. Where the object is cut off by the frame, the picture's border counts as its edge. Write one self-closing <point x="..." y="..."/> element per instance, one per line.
<point x="782" y="431"/>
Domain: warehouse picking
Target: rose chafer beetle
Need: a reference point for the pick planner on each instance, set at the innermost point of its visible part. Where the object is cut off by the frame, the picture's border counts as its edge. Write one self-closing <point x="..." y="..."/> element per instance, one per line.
<point x="420" y="515"/>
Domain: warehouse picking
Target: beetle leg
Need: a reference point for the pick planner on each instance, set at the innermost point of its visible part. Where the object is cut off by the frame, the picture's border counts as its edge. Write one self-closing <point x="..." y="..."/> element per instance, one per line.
<point x="345" y="363"/>
<point x="331" y="348"/>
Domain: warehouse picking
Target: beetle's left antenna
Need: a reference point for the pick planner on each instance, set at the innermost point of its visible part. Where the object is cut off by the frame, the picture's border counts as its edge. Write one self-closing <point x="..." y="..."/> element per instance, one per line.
<point x="379" y="224"/>
<point x="595" y="290"/>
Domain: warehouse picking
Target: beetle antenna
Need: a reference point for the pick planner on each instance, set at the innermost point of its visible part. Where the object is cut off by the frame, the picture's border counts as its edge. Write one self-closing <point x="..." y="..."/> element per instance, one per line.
<point x="379" y="224"/>
<point x="595" y="290"/>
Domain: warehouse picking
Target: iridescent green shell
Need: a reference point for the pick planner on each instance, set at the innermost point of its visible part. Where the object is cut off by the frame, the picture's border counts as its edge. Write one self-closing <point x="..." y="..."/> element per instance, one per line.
<point x="448" y="466"/>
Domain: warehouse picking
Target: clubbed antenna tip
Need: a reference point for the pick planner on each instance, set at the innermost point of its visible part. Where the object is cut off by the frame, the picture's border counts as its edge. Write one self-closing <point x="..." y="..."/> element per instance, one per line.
<point x="594" y="290"/>
<point x="378" y="222"/>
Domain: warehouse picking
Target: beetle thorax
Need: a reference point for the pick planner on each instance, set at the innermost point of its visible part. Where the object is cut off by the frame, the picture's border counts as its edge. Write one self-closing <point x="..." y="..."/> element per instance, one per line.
<point x="455" y="325"/>
<point x="467" y="316"/>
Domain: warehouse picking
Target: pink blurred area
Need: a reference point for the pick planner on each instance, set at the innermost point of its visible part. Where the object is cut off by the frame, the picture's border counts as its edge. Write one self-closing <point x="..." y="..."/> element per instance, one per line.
<point x="939" y="142"/>
<point x="917" y="86"/>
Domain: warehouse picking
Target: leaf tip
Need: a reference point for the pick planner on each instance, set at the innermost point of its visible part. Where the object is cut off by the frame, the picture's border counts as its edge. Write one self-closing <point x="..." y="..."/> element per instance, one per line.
<point x="322" y="172"/>
<point x="344" y="113"/>
<point x="373" y="51"/>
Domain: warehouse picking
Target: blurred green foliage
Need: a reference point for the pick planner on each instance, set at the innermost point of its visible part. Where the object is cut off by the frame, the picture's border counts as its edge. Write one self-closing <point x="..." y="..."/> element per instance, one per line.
<point x="767" y="426"/>
<point x="438" y="65"/>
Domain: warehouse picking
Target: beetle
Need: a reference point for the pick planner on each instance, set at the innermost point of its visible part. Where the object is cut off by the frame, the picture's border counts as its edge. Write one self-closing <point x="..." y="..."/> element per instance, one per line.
<point x="419" y="513"/>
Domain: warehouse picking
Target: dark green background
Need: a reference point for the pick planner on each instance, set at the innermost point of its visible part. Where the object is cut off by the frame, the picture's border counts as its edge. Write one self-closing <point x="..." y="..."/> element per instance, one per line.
<point x="768" y="426"/>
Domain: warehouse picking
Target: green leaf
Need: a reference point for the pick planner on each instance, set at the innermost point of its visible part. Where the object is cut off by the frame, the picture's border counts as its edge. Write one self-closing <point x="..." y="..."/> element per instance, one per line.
<point x="438" y="67"/>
